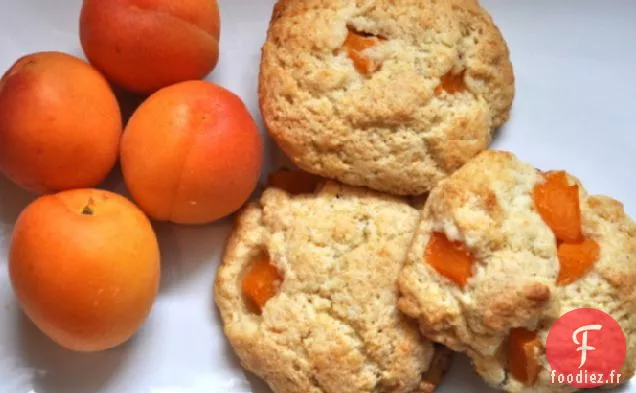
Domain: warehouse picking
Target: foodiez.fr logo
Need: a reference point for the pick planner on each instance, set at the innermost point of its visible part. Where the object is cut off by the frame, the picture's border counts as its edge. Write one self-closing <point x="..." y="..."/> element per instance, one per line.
<point x="586" y="348"/>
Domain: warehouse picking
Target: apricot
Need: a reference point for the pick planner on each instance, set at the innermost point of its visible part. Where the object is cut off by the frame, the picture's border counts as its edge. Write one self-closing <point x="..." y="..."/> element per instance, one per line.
<point x="451" y="259"/>
<point x="145" y="45"/>
<point x="60" y="123"/>
<point x="576" y="259"/>
<point x="294" y="182"/>
<point x="451" y="83"/>
<point x="522" y="361"/>
<point x="355" y="44"/>
<point x="84" y="265"/>
<point x="191" y="154"/>
<point x="260" y="283"/>
<point x="558" y="204"/>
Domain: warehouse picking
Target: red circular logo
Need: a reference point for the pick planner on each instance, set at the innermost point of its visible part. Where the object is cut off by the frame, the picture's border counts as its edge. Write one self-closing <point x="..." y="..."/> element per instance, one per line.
<point x="586" y="349"/>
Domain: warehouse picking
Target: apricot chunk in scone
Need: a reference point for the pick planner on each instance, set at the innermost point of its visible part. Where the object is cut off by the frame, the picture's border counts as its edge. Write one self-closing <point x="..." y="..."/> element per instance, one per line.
<point x="294" y="182"/>
<point x="522" y="361"/>
<point x="355" y="44"/>
<point x="451" y="83"/>
<point x="261" y="283"/>
<point x="451" y="259"/>
<point x="558" y="205"/>
<point x="576" y="259"/>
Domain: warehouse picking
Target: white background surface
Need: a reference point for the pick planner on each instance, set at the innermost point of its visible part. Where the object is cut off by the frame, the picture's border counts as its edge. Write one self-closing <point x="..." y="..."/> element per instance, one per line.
<point x="575" y="108"/>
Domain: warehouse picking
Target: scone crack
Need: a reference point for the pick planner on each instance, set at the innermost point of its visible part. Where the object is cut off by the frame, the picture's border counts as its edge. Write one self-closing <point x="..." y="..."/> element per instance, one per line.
<point x="316" y="383"/>
<point x="357" y="337"/>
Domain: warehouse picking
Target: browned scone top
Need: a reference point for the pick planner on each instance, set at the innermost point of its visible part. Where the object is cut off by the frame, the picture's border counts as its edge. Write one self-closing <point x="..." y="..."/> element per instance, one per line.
<point x="438" y="81"/>
<point x="333" y="325"/>
<point x="488" y="207"/>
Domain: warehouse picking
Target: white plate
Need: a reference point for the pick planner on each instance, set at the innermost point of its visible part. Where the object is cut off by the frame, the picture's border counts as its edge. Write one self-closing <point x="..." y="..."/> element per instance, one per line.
<point x="574" y="62"/>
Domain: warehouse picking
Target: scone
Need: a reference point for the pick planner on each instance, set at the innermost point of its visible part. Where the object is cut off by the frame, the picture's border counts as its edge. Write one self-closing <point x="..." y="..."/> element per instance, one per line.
<point x="307" y="291"/>
<point x="502" y="251"/>
<point x="389" y="94"/>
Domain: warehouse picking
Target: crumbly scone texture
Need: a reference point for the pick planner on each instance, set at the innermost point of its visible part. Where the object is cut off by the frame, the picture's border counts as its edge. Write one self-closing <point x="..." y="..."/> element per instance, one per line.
<point x="389" y="130"/>
<point x="334" y="325"/>
<point x="488" y="205"/>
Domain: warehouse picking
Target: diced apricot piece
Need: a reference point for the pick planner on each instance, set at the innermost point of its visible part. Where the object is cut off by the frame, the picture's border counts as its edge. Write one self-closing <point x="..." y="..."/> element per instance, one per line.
<point x="522" y="361"/>
<point x="355" y="44"/>
<point x="451" y="83"/>
<point x="451" y="259"/>
<point x="294" y="182"/>
<point x="576" y="259"/>
<point x="261" y="283"/>
<point x="558" y="205"/>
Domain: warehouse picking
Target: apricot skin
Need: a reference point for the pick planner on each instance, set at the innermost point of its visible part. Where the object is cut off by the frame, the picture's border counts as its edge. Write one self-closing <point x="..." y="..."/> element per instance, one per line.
<point x="60" y="123"/>
<point x="145" y="45"/>
<point x="85" y="268"/>
<point x="191" y="154"/>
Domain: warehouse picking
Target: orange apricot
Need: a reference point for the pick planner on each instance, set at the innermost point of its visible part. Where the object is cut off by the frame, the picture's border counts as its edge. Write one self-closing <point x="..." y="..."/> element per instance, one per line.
<point x="145" y="45"/>
<point x="294" y="182"/>
<point x="355" y="44"/>
<point x="260" y="283"/>
<point x="522" y="361"/>
<point x="60" y="123"/>
<point x="451" y="259"/>
<point x="85" y="268"/>
<point x="558" y="205"/>
<point x="576" y="259"/>
<point x="191" y="153"/>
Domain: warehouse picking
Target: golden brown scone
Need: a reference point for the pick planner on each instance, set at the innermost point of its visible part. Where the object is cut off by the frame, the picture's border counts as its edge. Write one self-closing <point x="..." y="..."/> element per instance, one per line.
<point x="488" y="207"/>
<point x="333" y="324"/>
<point x="398" y="116"/>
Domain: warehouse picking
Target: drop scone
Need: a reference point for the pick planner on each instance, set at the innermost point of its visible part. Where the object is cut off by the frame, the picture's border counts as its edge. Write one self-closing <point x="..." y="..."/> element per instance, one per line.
<point x="502" y="251"/>
<point x="307" y="291"/>
<point x="389" y="94"/>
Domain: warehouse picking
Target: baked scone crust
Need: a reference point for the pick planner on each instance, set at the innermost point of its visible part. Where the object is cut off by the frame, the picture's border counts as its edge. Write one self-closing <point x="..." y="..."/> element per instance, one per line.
<point x="488" y="206"/>
<point x="334" y="325"/>
<point x="389" y="130"/>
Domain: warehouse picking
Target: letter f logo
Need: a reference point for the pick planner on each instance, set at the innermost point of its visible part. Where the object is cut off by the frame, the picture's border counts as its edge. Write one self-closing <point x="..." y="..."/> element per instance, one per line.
<point x="583" y="344"/>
